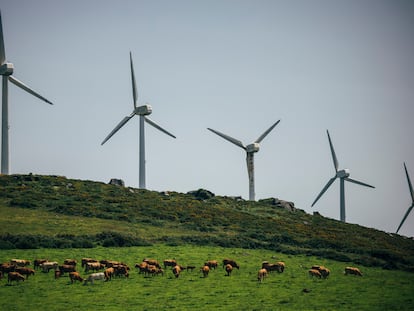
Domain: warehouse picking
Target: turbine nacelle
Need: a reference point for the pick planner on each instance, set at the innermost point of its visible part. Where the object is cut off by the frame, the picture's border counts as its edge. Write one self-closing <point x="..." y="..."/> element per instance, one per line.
<point x="343" y="173"/>
<point x="6" y="69"/>
<point x="144" y="110"/>
<point x="253" y="148"/>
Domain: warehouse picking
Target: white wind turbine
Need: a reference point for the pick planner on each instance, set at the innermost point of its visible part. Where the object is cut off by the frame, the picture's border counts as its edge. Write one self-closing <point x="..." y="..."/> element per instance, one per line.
<point x="342" y="175"/>
<point x="6" y="70"/>
<point x="250" y="150"/>
<point x="142" y="112"/>
<point x="412" y="199"/>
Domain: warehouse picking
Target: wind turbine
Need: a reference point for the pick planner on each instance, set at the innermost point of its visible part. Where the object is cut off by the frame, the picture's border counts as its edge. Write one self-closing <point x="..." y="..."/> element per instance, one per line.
<point x="6" y="70"/>
<point x="412" y="199"/>
<point x="343" y="176"/>
<point x="142" y="112"/>
<point x="250" y="150"/>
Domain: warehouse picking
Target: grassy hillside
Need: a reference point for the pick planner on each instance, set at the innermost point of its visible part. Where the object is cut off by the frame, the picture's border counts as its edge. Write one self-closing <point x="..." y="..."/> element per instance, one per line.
<point x="55" y="212"/>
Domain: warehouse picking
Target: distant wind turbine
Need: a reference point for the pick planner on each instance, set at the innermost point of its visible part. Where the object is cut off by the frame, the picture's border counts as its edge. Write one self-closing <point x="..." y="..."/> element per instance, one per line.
<point x="250" y="150"/>
<point x="142" y="112"/>
<point x="6" y="70"/>
<point x="342" y="175"/>
<point x="412" y="199"/>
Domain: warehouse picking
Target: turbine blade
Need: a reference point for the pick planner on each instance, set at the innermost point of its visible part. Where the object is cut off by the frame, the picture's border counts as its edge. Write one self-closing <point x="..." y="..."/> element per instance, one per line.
<point x="134" y="86"/>
<point x="358" y="182"/>
<point x="267" y="132"/>
<point x="324" y="190"/>
<point x="28" y="89"/>
<point x="158" y="127"/>
<point x="335" y="160"/>
<point x="230" y="139"/>
<point x="405" y="217"/>
<point x="2" y="50"/>
<point x="409" y="183"/>
<point x="116" y="129"/>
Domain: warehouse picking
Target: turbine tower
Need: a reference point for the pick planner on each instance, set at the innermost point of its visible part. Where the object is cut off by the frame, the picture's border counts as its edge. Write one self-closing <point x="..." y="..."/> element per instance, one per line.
<point x="412" y="199"/>
<point x="6" y="70"/>
<point x="343" y="176"/>
<point x="142" y="112"/>
<point x="250" y="151"/>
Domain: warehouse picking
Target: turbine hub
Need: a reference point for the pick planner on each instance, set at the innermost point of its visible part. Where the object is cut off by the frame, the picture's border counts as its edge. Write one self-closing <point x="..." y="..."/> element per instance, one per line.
<point x="143" y="110"/>
<point x="253" y="147"/>
<point x="6" y="69"/>
<point x="343" y="173"/>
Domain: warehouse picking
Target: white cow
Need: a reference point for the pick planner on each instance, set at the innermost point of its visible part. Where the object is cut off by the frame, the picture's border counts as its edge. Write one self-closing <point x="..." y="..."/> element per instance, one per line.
<point x="95" y="276"/>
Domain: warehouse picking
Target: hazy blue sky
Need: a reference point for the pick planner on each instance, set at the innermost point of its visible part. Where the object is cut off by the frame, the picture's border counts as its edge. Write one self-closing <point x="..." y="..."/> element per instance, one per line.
<point x="234" y="66"/>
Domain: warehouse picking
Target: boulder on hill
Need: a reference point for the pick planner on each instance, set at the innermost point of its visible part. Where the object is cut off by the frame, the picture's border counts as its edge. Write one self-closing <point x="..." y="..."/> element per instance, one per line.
<point x="290" y="206"/>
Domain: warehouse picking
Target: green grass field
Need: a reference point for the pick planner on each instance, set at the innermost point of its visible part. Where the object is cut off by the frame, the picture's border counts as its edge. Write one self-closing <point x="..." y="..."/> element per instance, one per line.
<point x="378" y="289"/>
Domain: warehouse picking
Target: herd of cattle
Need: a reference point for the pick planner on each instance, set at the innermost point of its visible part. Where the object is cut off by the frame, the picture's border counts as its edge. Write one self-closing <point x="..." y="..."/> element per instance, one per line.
<point x="18" y="270"/>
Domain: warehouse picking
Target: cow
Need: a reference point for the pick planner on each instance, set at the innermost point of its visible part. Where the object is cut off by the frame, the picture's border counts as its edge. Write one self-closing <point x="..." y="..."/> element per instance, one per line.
<point x="58" y="274"/>
<point x="352" y="270"/>
<point x="94" y="266"/>
<point x="20" y="262"/>
<point x="121" y="270"/>
<point x="109" y="273"/>
<point x="142" y="267"/>
<point x="49" y="265"/>
<point x="14" y="276"/>
<point x="71" y="262"/>
<point x="169" y="263"/>
<point x="278" y="266"/>
<point x="67" y="268"/>
<point x="95" y="276"/>
<point x="230" y="262"/>
<point x="314" y="272"/>
<point x="205" y="270"/>
<point x="38" y="262"/>
<point x="153" y="262"/>
<point x="261" y="274"/>
<point x="86" y="260"/>
<point x="25" y="271"/>
<point x="75" y="276"/>
<point x="6" y="268"/>
<point x="176" y="271"/>
<point x="323" y="270"/>
<point x="229" y="269"/>
<point x="212" y="264"/>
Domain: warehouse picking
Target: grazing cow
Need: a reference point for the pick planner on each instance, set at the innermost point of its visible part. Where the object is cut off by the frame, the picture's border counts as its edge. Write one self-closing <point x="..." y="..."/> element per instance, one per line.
<point x="314" y="272"/>
<point x="48" y="265"/>
<point x="14" y="276"/>
<point x="94" y="266"/>
<point x="229" y="269"/>
<point x="212" y="264"/>
<point x="71" y="262"/>
<point x="25" y="271"/>
<point x="20" y="262"/>
<point x="278" y="266"/>
<point x="230" y="262"/>
<point x="205" y="270"/>
<point x="75" y="276"/>
<point x="67" y="268"/>
<point x="323" y="270"/>
<point x="6" y="268"/>
<point x="143" y="266"/>
<point x="109" y="273"/>
<point x="86" y="260"/>
<point x="176" y="271"/>
<point x="261" y="274"/>
<point x="37" y="262"/>
<point x="153" y="262"/>
<point x="169" y="263"/>
<point x="352" y="270"/>
<point x="121" y="270"/>
<point x="94" y="277"/>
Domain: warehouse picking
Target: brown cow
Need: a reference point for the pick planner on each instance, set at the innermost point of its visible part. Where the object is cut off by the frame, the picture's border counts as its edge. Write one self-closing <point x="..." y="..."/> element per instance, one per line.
<point x="6" y="268"/>
<point x="278" y="266"/>
<point x="14" y="276"/>
<point x="261" y="275"/>
<point x="229" y="269"/>
<point x="230" y="262"/>
<point x="176" y="271"/>
<point x="169" y="263"/>
<point x="109" y="273"/>
<point x="71" y="262"/>
<point x="212" y="264"/>
<point x="153" y="262"/>
<point x="352" y="270"/>
<point x="205" y="270"/>
<point x="25" y="271"/>
<point x="20" y="262"/>
<point x="38" y="262"/>
<point x="75" y="276"/>
<point x="67" y="268"/>
<point x="314" y="272"/>
<point x="94" y="266"/>
<point x="86" y="260"/>
<point x="323" y="270"/>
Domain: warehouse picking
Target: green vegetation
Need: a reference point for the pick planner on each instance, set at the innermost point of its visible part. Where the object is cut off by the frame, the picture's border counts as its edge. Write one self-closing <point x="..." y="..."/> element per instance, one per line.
<point x="293" y="289"/>
<point x="55" y="212"/>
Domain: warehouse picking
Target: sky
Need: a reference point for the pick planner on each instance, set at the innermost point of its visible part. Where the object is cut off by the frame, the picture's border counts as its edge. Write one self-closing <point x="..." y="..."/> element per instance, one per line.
<point x="236" y="67"/>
